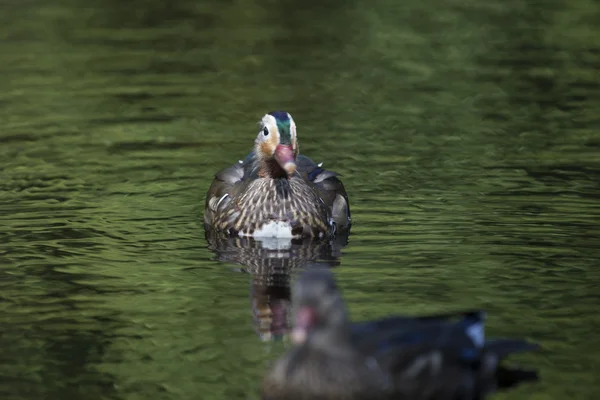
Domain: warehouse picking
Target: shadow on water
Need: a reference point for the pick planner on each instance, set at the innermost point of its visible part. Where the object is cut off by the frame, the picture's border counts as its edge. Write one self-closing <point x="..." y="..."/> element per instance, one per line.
<point x="271" y="263"/>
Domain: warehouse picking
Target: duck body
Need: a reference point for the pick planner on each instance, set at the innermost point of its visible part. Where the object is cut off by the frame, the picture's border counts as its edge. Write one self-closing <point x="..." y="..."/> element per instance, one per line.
<point x="334" y="374"/>
<point x="438" y="357"/>
<point x="441" y="357"/>
<point x="275" y="192"/>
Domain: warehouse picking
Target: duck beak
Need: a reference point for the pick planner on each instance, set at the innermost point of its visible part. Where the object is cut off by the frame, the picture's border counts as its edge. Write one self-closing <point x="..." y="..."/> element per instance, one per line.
<point x="284" y="155"/>
<point x="305" y="319"/>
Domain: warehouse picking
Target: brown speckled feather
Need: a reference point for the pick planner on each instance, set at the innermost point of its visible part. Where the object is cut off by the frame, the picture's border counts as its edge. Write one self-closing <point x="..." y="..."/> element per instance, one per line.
<point x="240" y="202"/>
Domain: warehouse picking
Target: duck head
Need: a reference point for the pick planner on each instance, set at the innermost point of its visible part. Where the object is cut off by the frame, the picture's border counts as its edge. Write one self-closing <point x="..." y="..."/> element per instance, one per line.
<point x="319" y="310"/>
<point x="276" y="146"/>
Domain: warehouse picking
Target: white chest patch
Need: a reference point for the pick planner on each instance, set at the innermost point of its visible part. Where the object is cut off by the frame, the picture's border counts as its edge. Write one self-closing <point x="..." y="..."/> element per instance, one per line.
<point x="278" y="244"/>
<point x="273" y="229"/>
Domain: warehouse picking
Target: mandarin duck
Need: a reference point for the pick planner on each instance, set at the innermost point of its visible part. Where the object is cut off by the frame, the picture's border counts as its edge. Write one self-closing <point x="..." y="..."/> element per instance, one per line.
<point x="441" y="357"/>
<point x="275" y="191"/>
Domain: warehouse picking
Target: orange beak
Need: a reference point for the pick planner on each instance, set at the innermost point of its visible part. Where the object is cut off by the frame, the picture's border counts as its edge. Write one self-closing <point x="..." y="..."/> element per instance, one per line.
<point x="284" y="155"/>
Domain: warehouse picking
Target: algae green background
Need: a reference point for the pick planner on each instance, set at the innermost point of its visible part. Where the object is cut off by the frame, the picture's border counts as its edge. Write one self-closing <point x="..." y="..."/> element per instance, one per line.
<point x="467" y="134"/>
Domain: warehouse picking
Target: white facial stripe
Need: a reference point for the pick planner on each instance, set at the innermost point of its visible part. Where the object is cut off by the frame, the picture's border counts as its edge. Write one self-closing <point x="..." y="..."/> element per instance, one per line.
<point x="292" y="127"/>
<point x="271" y="123"/>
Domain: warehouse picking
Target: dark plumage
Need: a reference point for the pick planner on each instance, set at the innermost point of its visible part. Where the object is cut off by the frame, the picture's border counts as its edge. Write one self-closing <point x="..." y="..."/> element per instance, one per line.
<point x="442" y="357"/>
<point x="277" y="186"/>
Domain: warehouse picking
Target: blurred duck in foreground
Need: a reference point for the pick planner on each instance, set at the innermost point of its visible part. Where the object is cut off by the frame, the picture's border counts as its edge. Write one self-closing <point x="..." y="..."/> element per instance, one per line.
<point x="275" y="191"/>
<point x="442" y="357"/>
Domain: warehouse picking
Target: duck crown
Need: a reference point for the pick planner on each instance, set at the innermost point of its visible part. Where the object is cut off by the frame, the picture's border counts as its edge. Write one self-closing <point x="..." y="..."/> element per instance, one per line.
<point x="284" y="124"/>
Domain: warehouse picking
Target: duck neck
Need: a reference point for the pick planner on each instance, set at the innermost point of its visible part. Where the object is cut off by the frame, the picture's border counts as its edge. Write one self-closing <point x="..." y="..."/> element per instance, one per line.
<point x="271" y="169"/>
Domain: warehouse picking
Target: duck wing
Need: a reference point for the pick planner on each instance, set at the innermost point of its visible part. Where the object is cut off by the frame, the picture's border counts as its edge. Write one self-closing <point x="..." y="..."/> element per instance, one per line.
<point x="329" y="188"/>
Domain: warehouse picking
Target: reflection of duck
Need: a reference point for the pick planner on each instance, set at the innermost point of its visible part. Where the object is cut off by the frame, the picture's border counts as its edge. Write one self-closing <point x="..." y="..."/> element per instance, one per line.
<point x="270" y="263"/>
<point x="442" y="357"/>
<point x="275" y="192"/>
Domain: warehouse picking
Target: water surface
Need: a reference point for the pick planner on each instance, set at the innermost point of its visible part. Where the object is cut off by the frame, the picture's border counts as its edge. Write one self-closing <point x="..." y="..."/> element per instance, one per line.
<point x="467" y="134"/>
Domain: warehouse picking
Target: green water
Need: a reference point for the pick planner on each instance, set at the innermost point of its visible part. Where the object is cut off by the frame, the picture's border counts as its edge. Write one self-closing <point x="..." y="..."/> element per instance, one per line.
<point x="467" y="134"/>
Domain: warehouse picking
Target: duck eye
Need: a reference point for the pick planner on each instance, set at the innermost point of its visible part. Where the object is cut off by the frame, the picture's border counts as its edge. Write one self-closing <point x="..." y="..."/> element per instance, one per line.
<point x="265" y="131"/>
